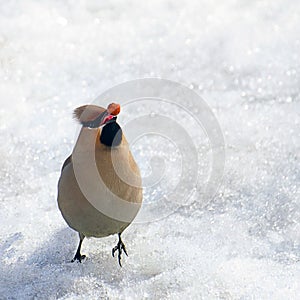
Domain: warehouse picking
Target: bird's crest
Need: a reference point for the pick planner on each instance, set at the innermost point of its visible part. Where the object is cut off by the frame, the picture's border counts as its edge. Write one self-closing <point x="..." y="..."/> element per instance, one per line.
<point x="87" y="113"/>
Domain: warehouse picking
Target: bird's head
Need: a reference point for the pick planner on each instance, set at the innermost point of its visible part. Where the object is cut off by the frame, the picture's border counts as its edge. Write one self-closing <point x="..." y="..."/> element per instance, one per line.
<point x="93" y="116"/>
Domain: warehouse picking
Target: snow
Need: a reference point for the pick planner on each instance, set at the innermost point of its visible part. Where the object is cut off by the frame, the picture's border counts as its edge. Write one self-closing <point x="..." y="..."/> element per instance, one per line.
<point x="243" y="58"/>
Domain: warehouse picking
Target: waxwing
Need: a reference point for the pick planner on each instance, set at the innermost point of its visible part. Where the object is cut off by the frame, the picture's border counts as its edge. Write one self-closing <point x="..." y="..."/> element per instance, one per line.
<point x="100" y="187"/>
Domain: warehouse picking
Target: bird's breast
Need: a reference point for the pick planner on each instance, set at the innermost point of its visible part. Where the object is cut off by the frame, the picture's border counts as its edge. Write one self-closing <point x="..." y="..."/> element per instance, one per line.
<point x="108" y="177"/>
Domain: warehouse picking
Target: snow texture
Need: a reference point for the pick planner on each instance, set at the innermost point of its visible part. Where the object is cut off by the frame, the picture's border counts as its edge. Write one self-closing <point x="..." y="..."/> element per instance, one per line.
<point x="242" y="57"/>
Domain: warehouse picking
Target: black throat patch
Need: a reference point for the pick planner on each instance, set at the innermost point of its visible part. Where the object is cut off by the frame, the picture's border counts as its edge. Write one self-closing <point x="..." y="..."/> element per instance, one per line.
<point x="111" y="134"/>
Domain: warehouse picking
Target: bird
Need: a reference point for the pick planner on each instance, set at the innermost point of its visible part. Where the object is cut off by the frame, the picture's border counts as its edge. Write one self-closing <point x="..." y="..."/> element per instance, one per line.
<point x="100" y="186"/>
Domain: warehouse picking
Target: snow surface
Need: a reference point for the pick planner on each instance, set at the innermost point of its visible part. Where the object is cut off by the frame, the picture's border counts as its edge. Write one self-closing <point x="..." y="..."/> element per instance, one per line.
<point x="242" y="57"/>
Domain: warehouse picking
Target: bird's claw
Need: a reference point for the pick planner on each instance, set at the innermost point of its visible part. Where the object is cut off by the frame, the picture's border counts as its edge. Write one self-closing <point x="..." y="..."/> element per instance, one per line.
<point x="78" y="257"/>
<point x="119" y="247"/>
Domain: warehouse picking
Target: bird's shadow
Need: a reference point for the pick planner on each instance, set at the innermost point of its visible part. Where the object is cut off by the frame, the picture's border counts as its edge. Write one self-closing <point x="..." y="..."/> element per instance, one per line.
<point x="48" y="272"/>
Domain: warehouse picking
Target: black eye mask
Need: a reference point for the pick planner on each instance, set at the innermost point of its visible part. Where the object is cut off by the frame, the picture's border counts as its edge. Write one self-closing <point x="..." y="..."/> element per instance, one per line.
<point x="93" y="124"/>
<point x="97" y="122"/>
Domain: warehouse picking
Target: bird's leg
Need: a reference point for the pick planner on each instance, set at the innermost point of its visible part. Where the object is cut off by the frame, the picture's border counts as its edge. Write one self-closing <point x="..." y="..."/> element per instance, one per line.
<point x="120" y="247"/>
<point x="78" y="256"/>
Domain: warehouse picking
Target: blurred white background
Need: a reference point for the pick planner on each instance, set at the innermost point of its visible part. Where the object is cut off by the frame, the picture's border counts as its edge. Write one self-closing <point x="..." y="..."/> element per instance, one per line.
<point x="242" y="57"/>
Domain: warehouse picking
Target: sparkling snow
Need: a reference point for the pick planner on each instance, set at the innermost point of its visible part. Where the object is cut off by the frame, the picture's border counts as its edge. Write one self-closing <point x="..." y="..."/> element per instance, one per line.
<point x="242" y="57"/>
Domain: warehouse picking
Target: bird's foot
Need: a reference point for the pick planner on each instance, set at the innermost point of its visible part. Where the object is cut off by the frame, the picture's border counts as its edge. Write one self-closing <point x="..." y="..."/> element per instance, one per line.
<point x="119" y="247"/>
<point x="78" y="257"/>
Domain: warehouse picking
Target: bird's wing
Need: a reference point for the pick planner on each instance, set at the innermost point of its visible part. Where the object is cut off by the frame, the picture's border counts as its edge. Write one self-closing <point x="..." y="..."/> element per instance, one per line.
<point x="67" y="162"/>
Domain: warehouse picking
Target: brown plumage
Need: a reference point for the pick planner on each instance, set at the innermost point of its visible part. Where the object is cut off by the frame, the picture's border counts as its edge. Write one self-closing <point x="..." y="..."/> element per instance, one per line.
<point x="100" y="188"/>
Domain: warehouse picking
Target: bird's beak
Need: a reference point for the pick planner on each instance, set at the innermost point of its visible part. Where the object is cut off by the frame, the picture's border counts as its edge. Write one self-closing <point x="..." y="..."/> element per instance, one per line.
<point x="112" y="110"/>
